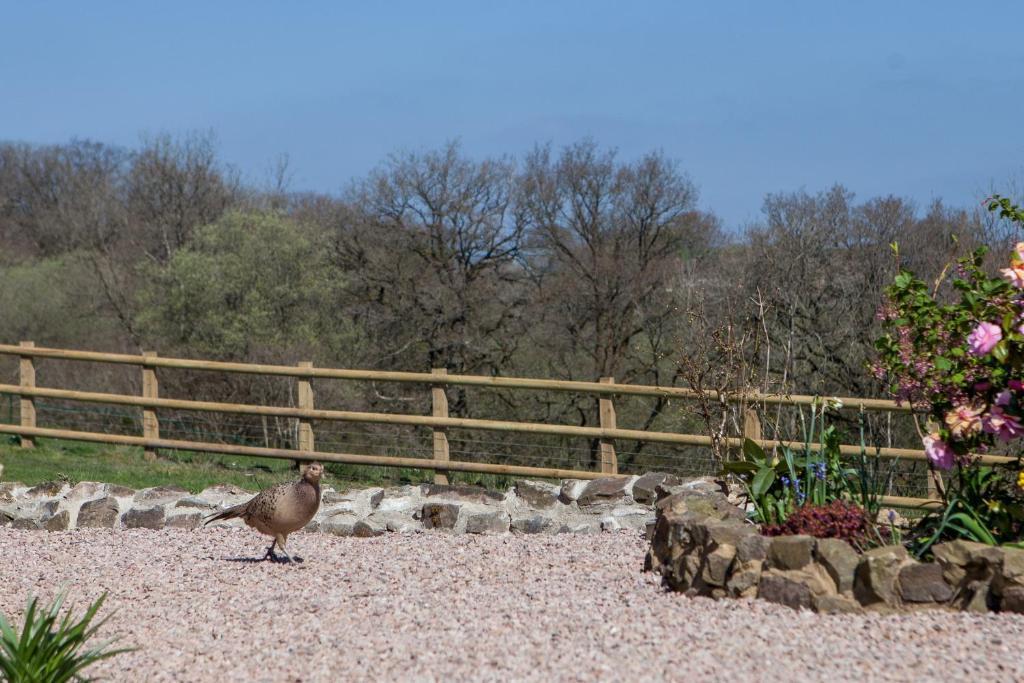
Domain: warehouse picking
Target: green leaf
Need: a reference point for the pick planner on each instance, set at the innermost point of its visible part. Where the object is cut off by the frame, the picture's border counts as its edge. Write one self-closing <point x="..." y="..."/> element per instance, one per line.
<point x="753" y="450"/>
<point x="763" y="481"/>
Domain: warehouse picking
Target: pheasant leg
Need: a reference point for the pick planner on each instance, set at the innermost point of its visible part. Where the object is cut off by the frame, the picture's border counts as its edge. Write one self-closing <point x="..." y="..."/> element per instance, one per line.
<point x="280" y="540"/>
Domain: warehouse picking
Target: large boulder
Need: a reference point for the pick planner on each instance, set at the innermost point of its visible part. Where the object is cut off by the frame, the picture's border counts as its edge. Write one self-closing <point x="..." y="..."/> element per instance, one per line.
<point x="645" y="489"/>
<point x="439" y="516"/>
<point x="923" y="583"/>
<point x="876" y="579"/>
<point x="607" y="490"/>
<point x="839" y="559"/>
<point x="101" y="513"/>
<point x="491" y="522"/>
<point x="538" y="495"/>
<point x="791" y="552"/>
<point x="145" y="518"/>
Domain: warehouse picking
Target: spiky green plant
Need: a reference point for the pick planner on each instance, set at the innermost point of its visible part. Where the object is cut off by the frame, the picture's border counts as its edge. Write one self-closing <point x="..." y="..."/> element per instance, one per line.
<point x="50" y="649"/>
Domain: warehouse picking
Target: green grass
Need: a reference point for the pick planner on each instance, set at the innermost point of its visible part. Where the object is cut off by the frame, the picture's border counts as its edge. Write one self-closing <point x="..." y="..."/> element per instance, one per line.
<point x="74" y="461"/>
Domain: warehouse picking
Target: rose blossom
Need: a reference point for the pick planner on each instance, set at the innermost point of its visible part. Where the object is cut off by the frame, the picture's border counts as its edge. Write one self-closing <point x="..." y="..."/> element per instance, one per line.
<point x="1015" y="274"/>
<point x="940" y="455"/>
<point x="1003" y="425"/>
<point x="984" y="338"/>
<point x="964" y="420"/>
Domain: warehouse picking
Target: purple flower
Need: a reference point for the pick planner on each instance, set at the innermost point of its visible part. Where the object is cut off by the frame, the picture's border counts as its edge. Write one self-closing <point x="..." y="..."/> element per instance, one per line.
<point x="984" y="338"/>
<point x="940" y="455"/>
<point x="1002" y="424"/>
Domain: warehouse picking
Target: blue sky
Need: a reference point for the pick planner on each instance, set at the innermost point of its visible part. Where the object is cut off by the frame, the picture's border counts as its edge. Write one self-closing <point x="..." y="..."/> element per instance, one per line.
<point x="918" y="99"/>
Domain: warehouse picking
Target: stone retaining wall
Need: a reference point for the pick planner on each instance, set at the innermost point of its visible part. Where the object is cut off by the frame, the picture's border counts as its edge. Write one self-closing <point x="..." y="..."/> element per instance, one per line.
<point x="529" y="507"/>
<point x="702" y="545"/>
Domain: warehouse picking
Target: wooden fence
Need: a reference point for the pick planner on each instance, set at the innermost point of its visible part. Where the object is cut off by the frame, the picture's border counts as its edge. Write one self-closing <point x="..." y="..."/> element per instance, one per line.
<point x="150" y="403"/>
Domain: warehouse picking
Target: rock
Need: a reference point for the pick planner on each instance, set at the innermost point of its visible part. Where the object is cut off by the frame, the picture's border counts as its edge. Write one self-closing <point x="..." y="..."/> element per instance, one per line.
<point x="539" y="495"/>
<point x="791" y="552"/>
<point x="965" y="561"/>
<point x="744" y="579"/>
<point x="145" y="518"/>
<point x="46" y="489"/>
<point x="798" y="588"/>
<point x="496" y="522"/>
<point x="119" y="491"/>
<point x="367" y="528"/>
<point x="570" y="490"/>
<point x="534" y="524"/>
<point x="645" y="488"/>
<point x="85" y="490"/>
<point x="159" y="494"/>
<point x="339" y="525"/>
<point x="606" y="490"/>
<point x="400" y="499"/>
<point x="706" y="504"/>
<point x="1012" y="600"/>
<point x="358" y="501"/>
<point x="923" y="583"/>
<point x="185" y="520"/>
<point x="875" y="580"/>
<point x="101" y="513"/>
<point x="439" y="515"/>
<point x="224" y="495"/>
<point x="717" y="565"/>
<point x="839" y="559"/>
<point x="977" y="597"/>
<point x="1012" y="572"/>
<point x="60" y="521"/>
<point x="836" y="604"/>
<point x="467" y="494"/>
<point x="752" y="547"/>
<point x="195" y="502"/>
<point x="776" y="587"/>
<point x="395" y="522"/>
<point x="26" y="523"/>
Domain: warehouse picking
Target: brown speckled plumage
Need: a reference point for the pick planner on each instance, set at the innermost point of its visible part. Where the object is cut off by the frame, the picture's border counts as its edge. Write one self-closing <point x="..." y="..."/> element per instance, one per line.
<point x="281" y="509"/>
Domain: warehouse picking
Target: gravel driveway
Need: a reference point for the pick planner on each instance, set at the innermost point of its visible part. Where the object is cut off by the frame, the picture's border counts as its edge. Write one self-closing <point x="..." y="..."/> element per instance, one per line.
<point x="429" y="606"/>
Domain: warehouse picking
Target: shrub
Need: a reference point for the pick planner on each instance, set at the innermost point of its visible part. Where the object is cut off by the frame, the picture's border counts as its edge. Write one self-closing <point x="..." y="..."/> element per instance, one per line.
<point x="48" y="649"/>
<point x="959" y="362"/>
<point x="838" y="519"/>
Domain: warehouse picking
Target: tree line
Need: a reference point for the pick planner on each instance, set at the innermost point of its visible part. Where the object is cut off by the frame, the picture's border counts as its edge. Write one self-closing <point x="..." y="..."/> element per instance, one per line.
<point x="564" y="263"/>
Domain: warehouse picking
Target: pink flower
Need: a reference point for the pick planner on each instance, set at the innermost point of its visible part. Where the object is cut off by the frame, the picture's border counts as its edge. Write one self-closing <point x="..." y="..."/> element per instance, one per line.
<point x="984" y="338"/>
<point x="940" y="455"/>
<point x="965" y="421"/>
<point x="1015" y="274"/>
<point x="1003" y="398"/>
<point x="1002" y="424"/>
<point x="1015" y="385"/>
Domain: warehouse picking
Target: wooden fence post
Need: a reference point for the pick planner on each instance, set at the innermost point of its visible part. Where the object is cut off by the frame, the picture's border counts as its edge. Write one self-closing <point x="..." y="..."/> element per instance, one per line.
<point x="439" y="401"/>
<point x="150" y="389"/>
<point x="27" y="378"/>
<point x="606" y="413"/>
<point x="751" y="424"/>
<point x="305" y="399"/>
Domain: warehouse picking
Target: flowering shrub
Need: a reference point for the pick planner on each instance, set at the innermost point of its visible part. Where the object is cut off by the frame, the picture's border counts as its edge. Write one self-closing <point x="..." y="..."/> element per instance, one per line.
<point x="960" y="363"/>
<point x="839" y="519"/>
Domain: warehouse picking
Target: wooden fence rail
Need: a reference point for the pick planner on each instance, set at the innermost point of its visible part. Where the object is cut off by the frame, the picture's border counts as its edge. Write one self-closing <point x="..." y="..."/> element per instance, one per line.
<point x="439" y="422"/>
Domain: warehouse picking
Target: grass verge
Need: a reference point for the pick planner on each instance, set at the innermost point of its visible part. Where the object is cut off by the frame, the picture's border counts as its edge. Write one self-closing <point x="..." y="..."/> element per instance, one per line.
<point x="73" y="461"/>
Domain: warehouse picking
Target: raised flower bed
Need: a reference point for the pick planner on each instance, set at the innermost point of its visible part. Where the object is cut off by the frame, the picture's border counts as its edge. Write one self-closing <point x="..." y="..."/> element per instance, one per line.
<point x="702" y="545"/>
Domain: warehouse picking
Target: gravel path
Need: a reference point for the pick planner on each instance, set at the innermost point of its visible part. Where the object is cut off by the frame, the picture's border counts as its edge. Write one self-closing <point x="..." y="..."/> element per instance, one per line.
<point x="430" y="607"/>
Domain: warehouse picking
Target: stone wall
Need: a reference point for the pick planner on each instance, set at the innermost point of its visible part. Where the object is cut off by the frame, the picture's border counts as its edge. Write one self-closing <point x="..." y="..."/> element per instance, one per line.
<point x="528" y="507"/>
<point x="702" y="545"/>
